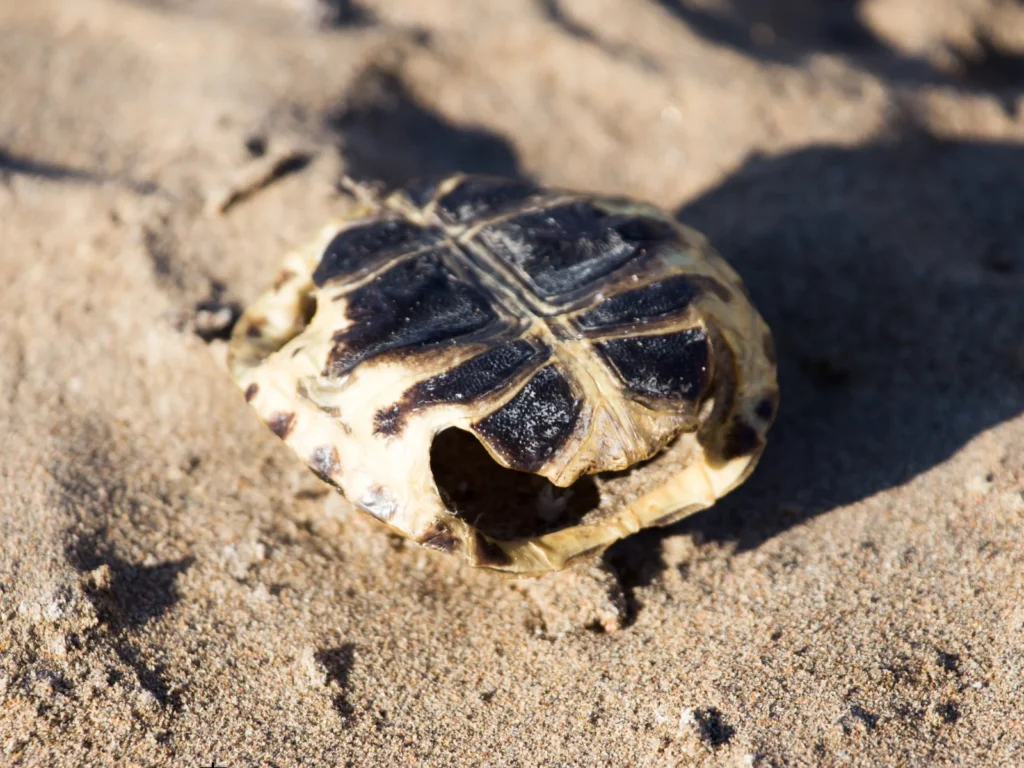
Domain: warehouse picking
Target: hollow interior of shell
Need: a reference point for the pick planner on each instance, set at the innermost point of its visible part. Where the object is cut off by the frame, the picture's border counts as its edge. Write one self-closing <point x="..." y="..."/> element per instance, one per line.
<point x="516" y="509"/>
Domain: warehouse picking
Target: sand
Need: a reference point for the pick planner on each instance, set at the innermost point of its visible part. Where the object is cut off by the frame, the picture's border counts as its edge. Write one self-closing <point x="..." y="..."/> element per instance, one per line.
<point x="177" y="589"/>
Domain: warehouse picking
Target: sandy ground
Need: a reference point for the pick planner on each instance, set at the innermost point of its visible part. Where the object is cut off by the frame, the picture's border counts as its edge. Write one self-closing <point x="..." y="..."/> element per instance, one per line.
<point x="176" y="589"/>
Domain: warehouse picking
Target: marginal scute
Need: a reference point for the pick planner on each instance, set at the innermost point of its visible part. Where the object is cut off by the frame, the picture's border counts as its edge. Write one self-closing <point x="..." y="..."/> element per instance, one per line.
<point x="710" y="285"/>
<point x="418" y="302"/>
<point x="464" y="384"/>
<point x="533" y="425"/>
<point x="325" y="462"/>
<point x="440" y="537"/>
<point x="768" y="345"/>
<point x="570" y="247"/>
<point x="357" y="247"/>
<point x="378" y="502"/>
<point x="673" y="366"/>
<point x="740" y="440"/>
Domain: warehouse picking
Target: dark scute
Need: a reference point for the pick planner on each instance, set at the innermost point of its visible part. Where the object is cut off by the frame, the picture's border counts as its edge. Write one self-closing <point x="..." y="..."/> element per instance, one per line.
<point x="415" y="303"/>
<point x="643" y="229"/>
<point x="647" y="303"/>
<point x="673" y="366"/>
<point x="352" y="249"/>
<point x="465" y="383"/>
<point x="479" y="376"/>
<point x="533" y="425"/>
<point x="481" y="196"/>
<point x="568" y="247"/>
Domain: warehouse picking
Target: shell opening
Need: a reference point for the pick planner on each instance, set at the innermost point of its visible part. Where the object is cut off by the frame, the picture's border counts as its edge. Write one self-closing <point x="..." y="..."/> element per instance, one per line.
<point x="503" y="503"/>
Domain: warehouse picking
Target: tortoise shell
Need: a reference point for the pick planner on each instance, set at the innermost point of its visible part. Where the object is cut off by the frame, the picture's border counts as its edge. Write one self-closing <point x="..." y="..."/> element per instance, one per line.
<point x="517" y="374"/>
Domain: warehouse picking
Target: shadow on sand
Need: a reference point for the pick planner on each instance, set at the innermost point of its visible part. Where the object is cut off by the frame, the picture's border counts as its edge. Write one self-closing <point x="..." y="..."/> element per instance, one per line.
<point x="387" y="135"/>
<point x="892" y="276"/>
<point x="789" y="31"/>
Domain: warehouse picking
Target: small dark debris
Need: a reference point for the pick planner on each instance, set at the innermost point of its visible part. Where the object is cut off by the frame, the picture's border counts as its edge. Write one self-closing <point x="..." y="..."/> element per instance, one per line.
<point x="56" y="681"/>
<point x="256" y="146"/>
<point x="344" y="14"/>
<point x="711" y="728"/>
<point x="949" y="712"/>
<point x="309" y="494"/>
<point x="291" y="163"/>
<point x="275" y="169"/>
<point x="488" y="696"/>
<point x="15" y="164"/>
<point x="337" y="663"/>
<point x="214" y="318"/>
<point x="948" y="661"/>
